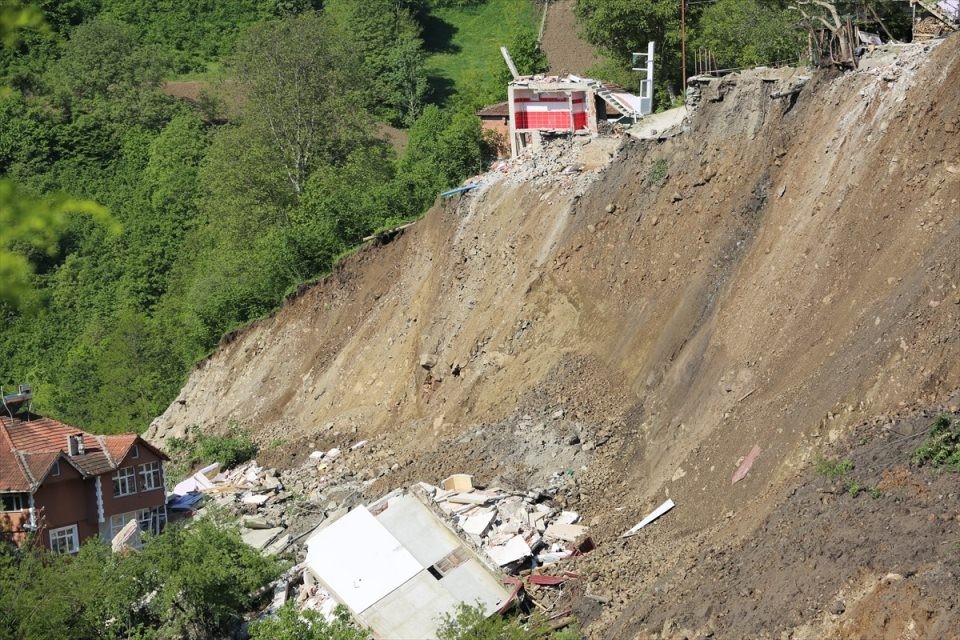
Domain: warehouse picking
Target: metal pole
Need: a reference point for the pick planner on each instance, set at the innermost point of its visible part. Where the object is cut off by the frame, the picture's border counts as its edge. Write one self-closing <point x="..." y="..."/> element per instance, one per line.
<point x="683" y="45"/>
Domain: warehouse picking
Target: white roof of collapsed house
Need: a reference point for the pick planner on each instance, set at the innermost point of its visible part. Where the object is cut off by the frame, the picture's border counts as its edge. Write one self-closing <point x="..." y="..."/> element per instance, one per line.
<point x="360" y="561"/>
<point x="377" y="566"/>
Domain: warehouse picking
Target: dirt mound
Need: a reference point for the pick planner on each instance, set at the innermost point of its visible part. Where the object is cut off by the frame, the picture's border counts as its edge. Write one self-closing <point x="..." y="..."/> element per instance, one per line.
<point x="783" y="271"/>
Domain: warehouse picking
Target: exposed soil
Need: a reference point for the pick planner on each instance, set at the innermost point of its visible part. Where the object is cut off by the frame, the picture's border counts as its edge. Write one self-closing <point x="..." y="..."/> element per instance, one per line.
<point x="782" y="274"/>
<point x="872" y="554"/>
<point x="567" y="52"/>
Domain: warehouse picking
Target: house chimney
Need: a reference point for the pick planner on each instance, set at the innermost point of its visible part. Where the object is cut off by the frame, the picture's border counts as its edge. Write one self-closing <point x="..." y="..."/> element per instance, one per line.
<point x="75" y="445"/>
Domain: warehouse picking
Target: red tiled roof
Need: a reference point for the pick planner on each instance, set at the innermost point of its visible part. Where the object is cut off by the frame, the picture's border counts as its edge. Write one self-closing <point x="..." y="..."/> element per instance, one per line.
<point x="30" y="444"/>
<point x="500" y="110"/>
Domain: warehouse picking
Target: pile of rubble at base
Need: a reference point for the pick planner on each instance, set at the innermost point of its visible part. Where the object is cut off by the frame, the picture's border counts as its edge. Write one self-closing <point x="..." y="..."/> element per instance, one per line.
<point x="515" y="530"/>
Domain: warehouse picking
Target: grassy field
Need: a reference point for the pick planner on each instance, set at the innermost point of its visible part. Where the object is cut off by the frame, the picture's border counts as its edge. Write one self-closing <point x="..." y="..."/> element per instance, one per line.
<point x="464" y="45"/>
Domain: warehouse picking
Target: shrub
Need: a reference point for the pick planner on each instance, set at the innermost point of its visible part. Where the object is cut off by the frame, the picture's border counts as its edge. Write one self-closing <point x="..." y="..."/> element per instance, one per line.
<point x="833" y="468"/>
<point x="658" y="172"/>
<point x="471" y="623"/>
<point x="230" y="450"/>
<point x="942" y="446"/>
<point x="290" y="624"/>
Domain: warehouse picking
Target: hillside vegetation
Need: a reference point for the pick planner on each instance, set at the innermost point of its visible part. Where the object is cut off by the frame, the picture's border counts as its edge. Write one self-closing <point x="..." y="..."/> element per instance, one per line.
<point x="212" y="222"/>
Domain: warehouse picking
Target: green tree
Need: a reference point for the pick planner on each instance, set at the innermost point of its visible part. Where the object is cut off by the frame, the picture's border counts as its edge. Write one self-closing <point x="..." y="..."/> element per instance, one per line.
<point x="621" y="27"/>
<point x="203" y="577"/>
<point x="383" y="38"/>
<point x="30" y="227"/>
<point x="744" y="33"/>
<point x="299" y="93"/>
<point x="105" y="69"/>
<point x="526" y="54"/>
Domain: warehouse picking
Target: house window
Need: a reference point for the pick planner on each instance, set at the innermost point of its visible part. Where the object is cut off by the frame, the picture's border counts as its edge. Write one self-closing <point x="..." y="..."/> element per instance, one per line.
<point x="135" y="451"/>
<point x="14" y="501"/>
<point x="150" y="477"/>
<point x="55" y="470"/>
<point x="119" y="521"/>
<point x="64" y="539"/>
<point x="124" y="482"/>
<point x="449" y="562"/>
<point x="152" y="520"/>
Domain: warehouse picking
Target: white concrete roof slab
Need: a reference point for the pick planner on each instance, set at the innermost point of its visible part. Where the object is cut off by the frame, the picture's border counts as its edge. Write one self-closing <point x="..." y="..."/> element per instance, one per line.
<point x="359" y="560"/>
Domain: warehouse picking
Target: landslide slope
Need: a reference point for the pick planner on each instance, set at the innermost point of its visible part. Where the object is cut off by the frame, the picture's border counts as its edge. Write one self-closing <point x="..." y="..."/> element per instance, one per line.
<point x="785" y="269"/>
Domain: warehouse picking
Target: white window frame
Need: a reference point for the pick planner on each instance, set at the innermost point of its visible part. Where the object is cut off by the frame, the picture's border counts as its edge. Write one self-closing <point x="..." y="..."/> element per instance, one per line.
<point x="124" y="482"/>
<point x="151" y="476"/>
<point x="119" y="520"/>
<point x="55" y="469"/>
<point x="21" y="498"/>
<point x="135" y="452"/>
<point x="67" y="534"/>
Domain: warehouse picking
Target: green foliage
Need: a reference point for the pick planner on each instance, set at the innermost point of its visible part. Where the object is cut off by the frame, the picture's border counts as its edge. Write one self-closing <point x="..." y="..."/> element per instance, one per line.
<point x="942" y="445"/>
<point x="217" y="221"/>
<point x="465" y="67"/>
<point x="471" y="623"/>
<point x="189" y="582"/>
<point x="236" y="447"/>
<point x="527" y="55"/>
<point x="443" y="148"/>
<point x="744" y="33"/>
<point x="833" y="468"/>
<point x="289" y="624"/>
<point x="384" y="41"/>
<point x="15" y="17"/>
<point x="204" y="576"/>
<point x="854" y="488"/>
<point x="105" y="71"/>
<point x="191" y="33"/>
<point x="29" y="228"/>
<point x="620" y="27"/>
<point x="658" y="171"/>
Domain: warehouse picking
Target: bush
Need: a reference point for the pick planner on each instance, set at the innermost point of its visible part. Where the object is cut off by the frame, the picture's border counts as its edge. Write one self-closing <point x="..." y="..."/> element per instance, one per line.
<point x="188" y="582"/>
<point x="833" y="468"/>
<point x="290" y="624"/>
<point x="471" y="623"/>
<point x="942" y="446"/>
<point x="230" y="450"/>
<point x="658" y="172"/>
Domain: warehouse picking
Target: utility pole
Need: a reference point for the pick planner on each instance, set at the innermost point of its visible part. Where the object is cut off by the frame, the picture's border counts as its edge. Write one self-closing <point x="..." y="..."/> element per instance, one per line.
<point x="683" y="45"/>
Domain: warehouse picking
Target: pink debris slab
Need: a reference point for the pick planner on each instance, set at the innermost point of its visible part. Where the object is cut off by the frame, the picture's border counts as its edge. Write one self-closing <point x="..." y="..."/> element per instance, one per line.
<point x="744" y="467"/>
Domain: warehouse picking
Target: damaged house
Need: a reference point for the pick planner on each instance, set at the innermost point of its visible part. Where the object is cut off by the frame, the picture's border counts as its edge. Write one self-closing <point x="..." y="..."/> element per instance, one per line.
<point x="65" y="485"/>
<point x="399" y="568"/>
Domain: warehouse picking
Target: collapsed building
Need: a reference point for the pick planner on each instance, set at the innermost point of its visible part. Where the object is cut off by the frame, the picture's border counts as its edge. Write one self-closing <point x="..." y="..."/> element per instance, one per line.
<point x="541" y="105"/>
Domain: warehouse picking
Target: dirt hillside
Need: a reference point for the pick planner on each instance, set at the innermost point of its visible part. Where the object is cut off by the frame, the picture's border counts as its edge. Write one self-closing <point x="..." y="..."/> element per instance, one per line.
<point x="782" y="274"/>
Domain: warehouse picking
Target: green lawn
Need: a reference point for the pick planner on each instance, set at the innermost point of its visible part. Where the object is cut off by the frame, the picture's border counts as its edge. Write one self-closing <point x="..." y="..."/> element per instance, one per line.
<point x="465" y="63"/>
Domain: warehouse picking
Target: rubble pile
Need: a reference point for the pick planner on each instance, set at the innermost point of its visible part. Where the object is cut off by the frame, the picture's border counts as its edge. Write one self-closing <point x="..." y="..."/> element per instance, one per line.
<point x="515" y="530"/>
<point x="559" y="161"/>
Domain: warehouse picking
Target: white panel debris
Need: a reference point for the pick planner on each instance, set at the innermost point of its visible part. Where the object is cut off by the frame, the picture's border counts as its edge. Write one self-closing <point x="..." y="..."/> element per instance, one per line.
<point x="656" y="513"/>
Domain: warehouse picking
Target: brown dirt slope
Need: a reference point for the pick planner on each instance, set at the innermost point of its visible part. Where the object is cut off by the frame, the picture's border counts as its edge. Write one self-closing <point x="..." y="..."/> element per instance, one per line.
<point x="783" y="271"/>
<point x="566" y="51"/>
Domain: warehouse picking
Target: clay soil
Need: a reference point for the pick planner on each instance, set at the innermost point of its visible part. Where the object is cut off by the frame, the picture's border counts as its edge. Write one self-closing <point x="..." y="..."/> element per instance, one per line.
<point x="783" y="274"/>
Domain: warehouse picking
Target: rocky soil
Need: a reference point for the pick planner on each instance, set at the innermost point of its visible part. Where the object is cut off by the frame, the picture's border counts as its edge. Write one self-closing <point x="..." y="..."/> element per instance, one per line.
<point x="636" y="316"/>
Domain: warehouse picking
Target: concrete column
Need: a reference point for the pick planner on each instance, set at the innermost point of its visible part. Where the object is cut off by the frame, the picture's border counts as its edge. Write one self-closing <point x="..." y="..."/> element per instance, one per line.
<point x="99" y="490"/>
<point x="590" y="102"/>
<point x="513" y="121"/>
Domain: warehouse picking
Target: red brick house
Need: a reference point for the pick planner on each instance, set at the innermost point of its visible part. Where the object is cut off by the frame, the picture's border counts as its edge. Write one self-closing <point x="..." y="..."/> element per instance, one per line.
<point x="67" y="485"/>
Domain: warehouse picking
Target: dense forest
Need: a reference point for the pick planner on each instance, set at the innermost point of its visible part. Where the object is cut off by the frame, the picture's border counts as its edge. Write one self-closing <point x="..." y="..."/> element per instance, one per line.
<point x="218" y="206"/>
